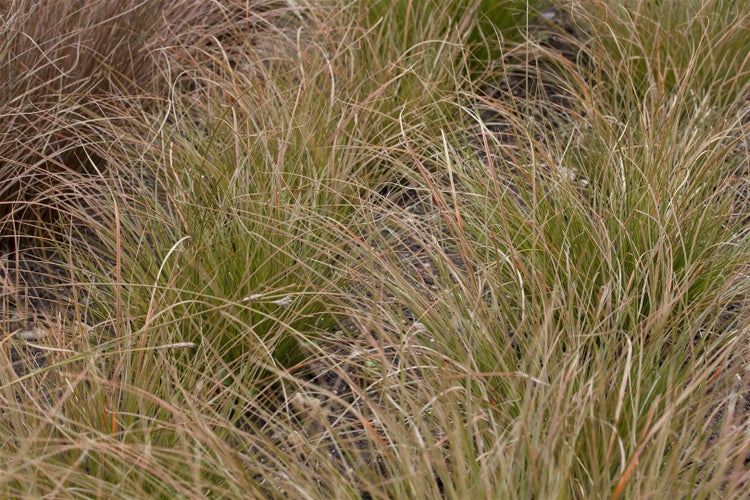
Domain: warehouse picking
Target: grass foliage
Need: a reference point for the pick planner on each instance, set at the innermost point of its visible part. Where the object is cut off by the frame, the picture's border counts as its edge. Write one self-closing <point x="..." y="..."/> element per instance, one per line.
<point x="311" y="255"/>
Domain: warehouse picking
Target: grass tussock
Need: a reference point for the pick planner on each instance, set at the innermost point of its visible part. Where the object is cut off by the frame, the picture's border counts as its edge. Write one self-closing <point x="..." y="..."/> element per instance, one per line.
<point x="376" y="249"/>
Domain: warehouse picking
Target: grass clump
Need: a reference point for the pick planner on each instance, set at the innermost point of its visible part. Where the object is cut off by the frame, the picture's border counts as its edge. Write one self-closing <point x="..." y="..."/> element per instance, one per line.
<point x="375" y="250"/>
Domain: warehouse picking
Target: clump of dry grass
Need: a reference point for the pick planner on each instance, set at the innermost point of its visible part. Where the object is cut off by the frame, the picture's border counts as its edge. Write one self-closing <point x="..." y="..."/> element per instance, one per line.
<point x="72" y="71"/>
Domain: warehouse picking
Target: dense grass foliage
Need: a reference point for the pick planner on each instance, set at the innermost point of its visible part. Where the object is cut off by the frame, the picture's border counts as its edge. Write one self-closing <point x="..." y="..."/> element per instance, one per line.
<point x="378" y="249"/>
